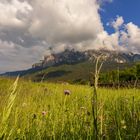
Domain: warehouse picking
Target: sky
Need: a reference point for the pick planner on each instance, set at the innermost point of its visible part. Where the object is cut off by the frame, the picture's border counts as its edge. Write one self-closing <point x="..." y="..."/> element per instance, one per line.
<point x="128" y="9"/>
<point x="29" y="28"/>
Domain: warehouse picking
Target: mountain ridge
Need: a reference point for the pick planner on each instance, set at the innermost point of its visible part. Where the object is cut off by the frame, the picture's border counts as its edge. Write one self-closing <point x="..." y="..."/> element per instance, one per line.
<point x="71" y="57"/>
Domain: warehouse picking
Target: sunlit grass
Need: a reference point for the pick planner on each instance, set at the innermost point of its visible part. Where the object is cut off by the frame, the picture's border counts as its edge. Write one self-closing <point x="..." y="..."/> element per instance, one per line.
<point x="42" y="111"/>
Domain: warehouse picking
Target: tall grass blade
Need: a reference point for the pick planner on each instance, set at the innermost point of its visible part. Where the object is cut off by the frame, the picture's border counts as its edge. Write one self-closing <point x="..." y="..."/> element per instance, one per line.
<point x="7" y="110"/>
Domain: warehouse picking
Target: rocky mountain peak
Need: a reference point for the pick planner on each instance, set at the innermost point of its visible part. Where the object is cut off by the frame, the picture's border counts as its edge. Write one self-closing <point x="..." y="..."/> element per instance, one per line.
<point x="73" y="56"/>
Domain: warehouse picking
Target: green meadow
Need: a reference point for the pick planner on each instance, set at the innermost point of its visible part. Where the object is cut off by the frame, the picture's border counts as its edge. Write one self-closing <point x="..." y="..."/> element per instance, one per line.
<point x="42" y="111"/>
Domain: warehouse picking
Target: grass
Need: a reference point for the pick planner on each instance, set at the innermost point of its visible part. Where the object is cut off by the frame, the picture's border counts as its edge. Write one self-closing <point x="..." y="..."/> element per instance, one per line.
<point x="8" y="108"/>
<point x="41" y="111"/>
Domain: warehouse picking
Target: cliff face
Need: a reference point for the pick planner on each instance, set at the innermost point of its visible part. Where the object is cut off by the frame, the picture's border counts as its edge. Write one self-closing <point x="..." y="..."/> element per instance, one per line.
<point x="71" y="57"/>
<point x="66" y="57"/>
<point x="49" y="60"/>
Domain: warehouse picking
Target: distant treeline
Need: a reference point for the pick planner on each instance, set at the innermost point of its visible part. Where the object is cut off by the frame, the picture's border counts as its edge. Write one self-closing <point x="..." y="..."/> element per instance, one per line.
<point x="129" y="77"/>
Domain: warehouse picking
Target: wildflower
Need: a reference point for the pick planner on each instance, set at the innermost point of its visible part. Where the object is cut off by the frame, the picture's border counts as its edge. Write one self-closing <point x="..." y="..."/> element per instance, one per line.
<point x="67" y="92"/>
<point x="44" y="113"/>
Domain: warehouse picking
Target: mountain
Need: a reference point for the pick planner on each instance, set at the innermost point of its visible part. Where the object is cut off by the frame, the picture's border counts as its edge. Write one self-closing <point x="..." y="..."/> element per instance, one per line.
<point x="72" y="65"/>
<point x="66" y="57"/>
<point x="72" y="57"/>
<point x="22" y="72"/>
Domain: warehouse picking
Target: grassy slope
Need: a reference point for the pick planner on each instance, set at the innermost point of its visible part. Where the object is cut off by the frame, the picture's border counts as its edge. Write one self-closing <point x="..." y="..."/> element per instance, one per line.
<point x="69" y="116"/>
<point x="72" y="73"/>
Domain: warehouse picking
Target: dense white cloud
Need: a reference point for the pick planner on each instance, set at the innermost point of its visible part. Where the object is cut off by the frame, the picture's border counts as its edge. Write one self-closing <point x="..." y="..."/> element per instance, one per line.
<point x="117" y="23"/>
<point x="67" y="22"/>
<point x="29" y="27"/>
<point x="62" y="24"/>
<point x="131" y="37"/>
<point x="126" y="36"/>
<point x="71" y="24"/>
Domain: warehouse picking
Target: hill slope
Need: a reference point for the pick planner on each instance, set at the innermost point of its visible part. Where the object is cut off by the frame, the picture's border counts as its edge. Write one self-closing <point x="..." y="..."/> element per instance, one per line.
<point x="73" y="66"/>
<point x="72" y="73"/>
